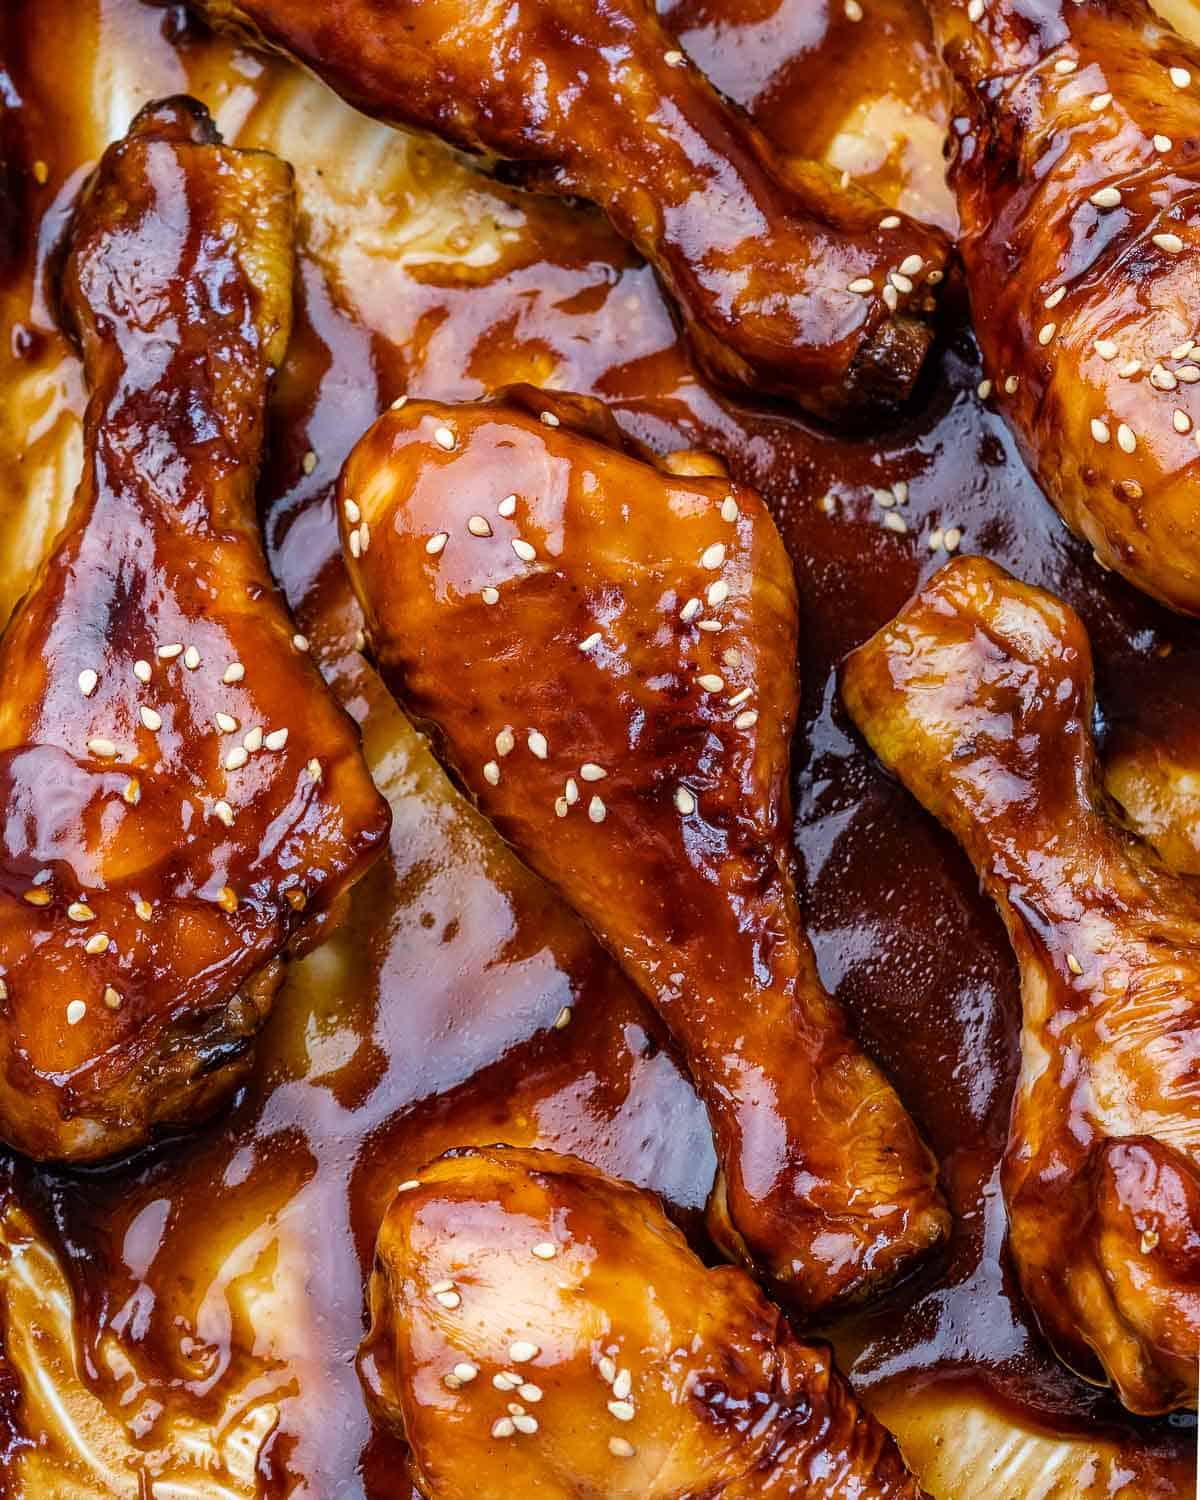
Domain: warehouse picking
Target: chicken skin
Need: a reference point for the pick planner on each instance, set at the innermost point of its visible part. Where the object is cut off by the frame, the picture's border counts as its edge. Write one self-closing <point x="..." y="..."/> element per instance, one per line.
<point x="179" y="791"/>
<point x="979" y="697"/>
<point x="1076" y="172"/>
<point x="608" y="650"/>
<point x="539" y="1328"/>
<point x="787" y="281"/>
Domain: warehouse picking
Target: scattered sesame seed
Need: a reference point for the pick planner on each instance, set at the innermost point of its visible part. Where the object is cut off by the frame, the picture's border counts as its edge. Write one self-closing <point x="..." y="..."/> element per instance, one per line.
<point x="309" y="462"/>
<point x="143" y="909"/>
<point x="624" y="1411"/>
<point x="1046" y="333"/>
<point x="1106" y="197"/>
<point x="896" y="523"/>
<point x="1105" y="348"/>
<point x="102" y="748"/>
<point x="975" y="11"/>
<point x="491" y="773"/>
<point x="884" y="498"/>
<point x="234" y="672"/>
<point x="620" y="1448"/>
<point x="151" y="718"/>
<point x="854" y="11"/>
<point x="861" y="285"/>
<point x="503" y="1428"/>
<point x="1130" y="368"/>
<point x="984" y="389"/>
<point x="890" y="221"/>
<point x="351" y="508"/>
<point x="710" y="682"/>
<point x="411" y="1182"/>
<point x="685" y="801"/>
<point x="900" y="281"/>
<point x="911" y="265"/>
<point x="1073" y="964"/>
<point x="88" y="681"/>
<point x="76" y="1012"/>
<point x="590" y="771"/>
<point x="746" y="720"/>
<point x="236" y="758"/>
<point x="622" y="1385"/>
<point x="549" y="419"/>
<point x="1126" y="441"/>
<point x="276" y="740"/>
<point x="563" y="1019"/>
<point x="597" y="811"/>
<point x="448" y="1299"/>
<point x="436" y="542"/>
<point x="712" y="557"/>
<point x="508" y="506"/>
<point x="674" y="58"/>
<point x="1171" y="243"/>
<point x="113" y="998"/>
<point x="36" y="896"/>
<point x="489" y="595"/>
<point x="505" y="742"/>
<point x="524" y="550"/>
<point x="253" y="739"/>
<point x="227" y="899"/>
<point x="1182" y="422"/>
<point x="739" y="697"/>
<point x="223" y="811"/>
<point x="399" y="403"/>
<point x="98" y="944"/>
<point x="479" y="526"/>
<point x="1189" y="375"/>
<point x="710" y="625"/>
<point x="1099" y="102"/>
<point x="717" y="594"/>
<point x="690" y="610"/>
<point x="729" y="510"/>
<point x="607" y="1369"/>
<point x="935" y="539"/>
<point x="444" y="438"/>
<point x="1055" y="298"/>
<point x="891" y="297"/>
<point x="521" y="1351"/>
<point x="226" y="723"/>
<point x="314" y="769"/>
<point x="142" y="670"/>
<point x="1065" y="65"/>
<point x="538" y="744"/>
<point x="1163" y="143"/>
<point x="589" y="641"/>
<point x="465" y="1372"/>
<point x="1180" y="77"/>
<point x="80" y="911"/>
<point x="506" y="1380"/>
<point x="952" y="538"/>
<point x="355" y="543"/>
<point x="191" y="658"/>
<point x="545" y="1250"/>
<point x="1100" y="430"/>
<point x="572" y="791"/>
<point x="171" y="651"/>
<point x="530" y="1392"/>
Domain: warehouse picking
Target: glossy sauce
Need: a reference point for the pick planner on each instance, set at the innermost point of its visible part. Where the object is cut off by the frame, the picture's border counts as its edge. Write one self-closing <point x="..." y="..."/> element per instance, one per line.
<point x="429" y="1019"/>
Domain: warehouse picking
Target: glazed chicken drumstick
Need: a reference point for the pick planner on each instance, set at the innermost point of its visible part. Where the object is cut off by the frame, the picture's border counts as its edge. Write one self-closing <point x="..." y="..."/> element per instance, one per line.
<point x="541" y="1329"/>
<point x="179" y="791"/>
<point x="609" y="653"/>
<point x="1077" y="175"/>
<point x="979" y="696"/>
<point x="787" y="281"/>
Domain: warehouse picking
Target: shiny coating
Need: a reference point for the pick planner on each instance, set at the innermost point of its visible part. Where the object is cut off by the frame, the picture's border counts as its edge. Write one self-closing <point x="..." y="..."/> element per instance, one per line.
<point x="139" y="932"/>
<point x="979" y="697"/>
<point x="630" y="1342"/>
<point x="639" y="760"/>
<point x="594" y="99"/>
<point x="1085" y="310"/>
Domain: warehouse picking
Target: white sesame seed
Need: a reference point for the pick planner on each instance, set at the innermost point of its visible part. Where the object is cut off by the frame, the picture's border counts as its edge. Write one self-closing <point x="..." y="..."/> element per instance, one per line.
<point x="545" y="1250"/>
<point x="1011" y="384"/>
<point x="1126" y="441"/>
<point x="276" y="740"/>
<point x="884" y="497"/>
<point x="449" y="1300"/>
<point x="505" y="742"/>
<point x="597" y="811"/>
<point x="309" y="462"/>
<point x="76" y="1012"/>
<point x="710" y="682"/>
<point x="619" y="1448"/>
<point x="549" y="419"/>
<point x="622" y="1385"/>
<point x="1047" y="332"/>
<point x="911" y="264"/>
<point x="896" y="523"/>
<point x="399" y="403"/>
<point x="236" y="758"/>
<point x="891" y="297"/>
<point x="142" y="670"/>
<point x="80" y="911"/>
<point x="572" y="791"/>
<point x="143" y="908"/>
<point x="465" y="1372"/>
<point x="890" y="221"/>
<point x="607" y="1369"/>
<point x="717" y="594"/>
<point x="1073" y="964"/>
<point x="234" y="672"/>
<point x="690" y="610"/>
<point x="1163" y="143"/>
<point x="521" y="1351"/>
<point x="408" y="1184"/>
<point x="861" y="285"/>
<point x="490" y="595"/>
<point x="226" y="723"/>
<point x="590" y="771"/>
<point x="1100" y="430"/>
<point x="351" y="508"/>
<point x="526" y="1424"/>
<point x="1189" y="374"/>
<point x="503" y="1428"/>
<point x="975" y="11"/>
<point x="506" y="1380"/>
<point x="712" y="557"/>
<point x="1181" y="421"/>
<point x="1130" y="368"/>
<point x="436" y="542"/>
<point x="530" y="1392"/>
<point x="1099" y="102"/>
<point x="1105" y="348"/>
<point x="479" y="526"/>
<point x="191" y="658"/>
<point x="224" y="812"/>
<point x="984" y="389"/>
<point x="253" y="739"/>
<point x="538" y="744"/>
<point x="1181" y="351"/>
<point x="709" y="625"/>
<point x="355" y="543"/>
<point x="452" y="1382"/>
<point x="854" y="11"/>
<point x="113" y="999"/>
<point x="508" y="506"/>
<point x="150" y="718"/>
<point x="589" y="641"/>
<point x="491" y="773"/>
<point x="729" y="510"/>
<point x="314" y="769"/>
<point x="101" y="748"/>
<point x="524" y="550"/>
<point x="746" y="720"/>
<point x="1055" y="298"/>
<point x="169" y="653"/>
<point x="900" y="281"/>
<point x="88" y="681"/>
<point x="98" y="944"/>
<point x="563" y="1019"/>
<point x="685" y="801"/>
<point x="1171" y="243"/>
<point x="444" y="438"/>
<point x="624" y="1411"/>
<point x="1065" y="65"/>
<point x="674" y="58"/>
<point x="561" y="807"/>
<point x="740" y="697"/>
<point x="1106" y="197"/>
<point x="1180" y="77"/>
<point x="935" y="539"/>
<point x="952" y="539"/>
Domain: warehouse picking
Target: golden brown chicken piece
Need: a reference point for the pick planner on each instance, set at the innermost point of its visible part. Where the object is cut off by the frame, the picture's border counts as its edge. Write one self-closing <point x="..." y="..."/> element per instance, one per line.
<point x="1076" y="172"/>
<point x="539" y="1328"/>
<point x="609" y="653"/>
<point x="787" y="281"/>
<point x="179" y="791"/>
<point x="979" y="696"/>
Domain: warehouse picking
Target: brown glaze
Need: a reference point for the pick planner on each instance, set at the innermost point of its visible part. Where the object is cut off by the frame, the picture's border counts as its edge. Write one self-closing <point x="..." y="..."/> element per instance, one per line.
<point x="540" y="1328"/>
<point x="609" y="652"/>
<point x="1075" y="167"/>
<point x="147" y="886"/>
<point x="594" y="99"/>
<point x="979" y="697"/>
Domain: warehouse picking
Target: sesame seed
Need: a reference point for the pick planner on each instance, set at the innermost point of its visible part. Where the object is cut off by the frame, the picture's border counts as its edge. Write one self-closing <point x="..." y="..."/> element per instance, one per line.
<point x="597" y="811"/>
<point x="549" y="419"/>
<point x="710" y="625"/>
<point x="506" y="1380"/>
<point x="1180" y="77"/>
<point x="952" y="538"/>
<point x="1100" y="430"/>
<point x="227" y="899"/>
<point x="622" y="1385"/>
<point x="314" y="769"/>
<point x="538" y="744"/>
<point x="890" y="221"/>
<point x="1011" y="384"/>
<point x="1182" y="422"/>
<point x="896" y="523"/>
<point x="891" y="297"/>
<point x="142" y="670"/>
<point x="452" y="1382"/>
<point x="1047" y="332"/>
<point x="505" y="742"/>
<point x="448" y="1299"/>
<point x="935" y="539"/>
<point x="191" y="658"/>
<point x="491" y="773"/>
<point x="276" y="740"/>
<point x="351" y="508"/>
<point x="674" y="58"/>
<point x="1065" y="65"/>
<point x="113" y="998"/>
<point x="223" y="811"/>
<point x="685" y="801"/>
<point x="1055" y="298"/>
<point x="854" y="11"/>
<point x="589" y="641"/>
<point x="444" y="438"/>
<point x="619" y="1448"/>
<point x="226" y="723"/>
<point x="479" y="526"/>
<point x="41" y="173"/>
<point x="900" y="281"/>
<point x="1163" y="143"/>
<point x="234" y="672"/>
<point x="746" y="720"/>
<point x="690" y="610"/>
<point x="436" y="542"/>
<point x="718" y="592"/>
<point x="1189" y="375"/>
<point x="490" y="595"/>
<point x="1099" y="102"/>
<point x="521" y="1351"/>
<point x="975" y="11"/>
<point x="524" y="550"/>
<point x="563" y="1019"/>
<point x="102" y="748"/>
<point x="309" y="462"/>
<point x="80" y="911"/>
<point x="729" y="510"/>
<point x="143" y="909"/>
<point x="36" y="896"/>
<point x="1130" y="368"/>
<point x="545" y="1250"/>
<point x="170" y="651"/>
<point x="710" y="682"/>
<point x="236" y="758"/>
<point x="739" y="697"/>
<point x="884" y="498"/>
<point x="1105" y="348"/>
<point x="1181" y="351"/>
<point x="97" y="944"/>
<point x="408" y="1185"/>
<point x="861" y="285"/>
<point x="608" y="1370"/>
<point x="503" y="1428"/>
<point x="1073" y="964"/>
<point x="355" y="541"/>
<point x="151" y="718"/>
<point x="76" y="1012"/>
<point x="590" y="771"/>
<point x="88" y="681"/>
<point x="624" y="1411"/>
<point x="399" y="403"/>
<point x="465" y="1372"/>
<point x="712" y="557"/>
<point x="508" y="506"/>
<point x="530" y="1392"/>
<point x="984" y="389"/>
<point x="1125" y="439"/>
<point x="1171" y="243"/>
<point x="525" y="1423"/>
<point x="911" y="264"/>
<point x="253" y="739"/>
<point x="572" y="791"/>
<point x="1106" y="197"/>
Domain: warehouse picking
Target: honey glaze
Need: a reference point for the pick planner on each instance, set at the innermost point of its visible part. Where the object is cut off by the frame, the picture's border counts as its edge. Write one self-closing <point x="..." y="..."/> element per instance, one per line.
<point x="193" y="1314"/>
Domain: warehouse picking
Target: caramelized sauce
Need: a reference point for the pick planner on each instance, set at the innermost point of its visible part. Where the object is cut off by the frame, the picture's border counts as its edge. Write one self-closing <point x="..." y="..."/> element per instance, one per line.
<point x="428" y="1020"/>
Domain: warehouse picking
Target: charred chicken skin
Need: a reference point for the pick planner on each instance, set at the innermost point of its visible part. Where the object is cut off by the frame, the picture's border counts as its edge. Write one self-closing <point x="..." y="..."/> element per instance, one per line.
<point x="787" y="281"/>
<point x="539" y="1328"/>
<point x="608" y="651"/>
<point x="1076" y="172"/>
<point x="179" y="791"/>
<point x="979" y="697"/>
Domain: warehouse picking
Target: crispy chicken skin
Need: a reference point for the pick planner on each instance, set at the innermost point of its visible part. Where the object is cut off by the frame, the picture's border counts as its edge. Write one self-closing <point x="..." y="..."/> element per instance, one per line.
<point x="979" y="697"/>
<point x="594" y="99"/>
<point x="1076" y="171"/>
<point x="152" y="866"/>
<point x="539" y="1328"/>
<point x="609" y="653"/>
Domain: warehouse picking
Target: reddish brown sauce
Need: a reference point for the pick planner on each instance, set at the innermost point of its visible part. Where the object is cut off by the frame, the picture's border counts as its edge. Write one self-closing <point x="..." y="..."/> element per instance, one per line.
<point x="440" y="1028"/>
